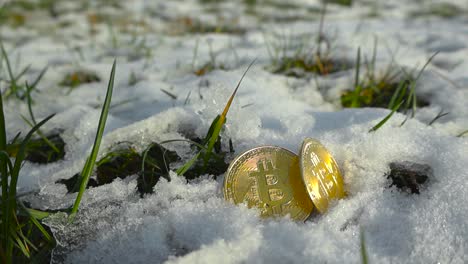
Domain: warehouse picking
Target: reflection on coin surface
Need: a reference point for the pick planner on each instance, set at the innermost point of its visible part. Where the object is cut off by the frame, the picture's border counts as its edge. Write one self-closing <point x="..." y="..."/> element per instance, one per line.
<point x="320" y="173"/>
<point x="268" y="178"/>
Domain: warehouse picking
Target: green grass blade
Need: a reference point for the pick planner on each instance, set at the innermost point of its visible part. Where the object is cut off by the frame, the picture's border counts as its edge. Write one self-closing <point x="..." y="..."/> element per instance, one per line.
<point x="89" y="165"/>
<point x="41" y="228"/>
<point x="463" y="133"/>
<point x="381" y="123"/>
<point x="3" y="137"/>
<point x="145" y="160"/>
<point x="358" y="66"/>
<point x="398" y="93"/>
<point x="21" y="155"/>
<point x="4" y="170"/>
<point x="29" y="101"/>
<point x="10" y="72"/>
<point x="27" y="243"/>
<point x="439" y="115"/>
<point x="5" y="157"/>
<point x="171" y="95"/>
<point x="364" y="257"/>
<point x="9" y="190"/>
<point x="374" y="55"/>
<point x="426" y="64"/>
<point x="195" y="53"/>
<point x="34" y="216"/>
<point x="412" y="101"/>
<point x="23" y="247"/>
<point x="213" y="132"/>
<point x="39" y="78"/>
<point x="22" y="72"/>
<point x="218" y="123"/>
<point x="39" y="132"/>
<point x="187" y="165"/>
<point x="414" y="107"/>
<point x="37" y="214"/>
<point x="182" y="170"/>
<point x="357" y="87"/>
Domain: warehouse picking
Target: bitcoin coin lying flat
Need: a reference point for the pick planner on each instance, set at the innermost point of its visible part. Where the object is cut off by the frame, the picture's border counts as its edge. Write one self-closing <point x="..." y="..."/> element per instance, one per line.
<point x="269" y="179"/>
<point x="320" y="174"/>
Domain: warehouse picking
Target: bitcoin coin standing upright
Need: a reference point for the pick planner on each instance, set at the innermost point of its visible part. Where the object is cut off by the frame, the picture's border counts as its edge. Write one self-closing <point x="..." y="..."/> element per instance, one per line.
<point x="269" y="179"/>
<point x="320" y="174"/>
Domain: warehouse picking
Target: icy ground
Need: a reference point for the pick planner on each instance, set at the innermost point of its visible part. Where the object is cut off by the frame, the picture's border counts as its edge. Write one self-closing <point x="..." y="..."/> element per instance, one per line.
<point x="189" y="222"/>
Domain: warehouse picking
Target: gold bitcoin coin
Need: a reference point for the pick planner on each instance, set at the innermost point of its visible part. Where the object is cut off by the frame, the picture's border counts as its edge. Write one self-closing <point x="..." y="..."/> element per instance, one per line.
<point x="320" y="174"/>
<point x="269" y="179"/>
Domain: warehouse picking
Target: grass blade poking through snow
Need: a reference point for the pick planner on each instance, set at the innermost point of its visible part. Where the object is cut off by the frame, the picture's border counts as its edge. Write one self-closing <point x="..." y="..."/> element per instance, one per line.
<point x="4" y="159"/>
<point x="89" y="165"/>
<point x="11" y="228"/>
<point x="412" y="100"/>
<point x="357" y="86"/>
<point x="213" y="133"/>
<point x="364" y="258"/>
<point x="381" y="123"/>
<point x="463" y="133"/>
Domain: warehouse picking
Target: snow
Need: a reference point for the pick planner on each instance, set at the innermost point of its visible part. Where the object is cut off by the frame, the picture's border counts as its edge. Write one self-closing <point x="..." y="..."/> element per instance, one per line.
<point x="189" y="222"/>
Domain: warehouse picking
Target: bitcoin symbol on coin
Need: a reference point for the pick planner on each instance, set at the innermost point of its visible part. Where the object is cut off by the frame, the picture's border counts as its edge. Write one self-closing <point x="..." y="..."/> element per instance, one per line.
<point x="271" y="188"/>
<point x="269" y="179"/>
<point x="326" y="174"/>
<point x="320" y="174"/>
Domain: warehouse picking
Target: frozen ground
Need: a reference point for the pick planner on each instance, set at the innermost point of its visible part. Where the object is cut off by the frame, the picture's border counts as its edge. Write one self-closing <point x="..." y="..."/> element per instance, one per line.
<point x="189" y="222"/>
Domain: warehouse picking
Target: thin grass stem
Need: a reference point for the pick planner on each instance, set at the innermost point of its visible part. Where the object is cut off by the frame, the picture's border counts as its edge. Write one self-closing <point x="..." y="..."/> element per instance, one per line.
<point x="89" y="165"/>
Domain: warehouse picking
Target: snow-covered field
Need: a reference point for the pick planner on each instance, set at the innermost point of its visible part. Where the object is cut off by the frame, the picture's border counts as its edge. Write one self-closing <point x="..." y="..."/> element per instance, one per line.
<point x="159" y="45"/>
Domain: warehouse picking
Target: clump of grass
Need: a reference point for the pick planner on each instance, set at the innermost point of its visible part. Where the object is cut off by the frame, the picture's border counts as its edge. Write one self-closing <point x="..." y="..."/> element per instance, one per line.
<point x="385" y="92"/>
<point x="119" y="162"/>
<point x="211" y="65"/>
<point x="44" y="149"/>
<point x="294" y="58"/>
<point x="403" y="96"/>
<point x="123" y="160"/>
<point x="340" y="2"/>
<point x="188" y="25"/>
<point x="79" y="77"/>
<point x="150" y="166"/>
<point x="212" y="138"/>
<point x="216" y="163"/>
<point x="299" y="66"/>
<point x="13" y="13"/>
<point x="250" y="3"/>
<point x="377" y="93"/>
<point x="154" y="161"/>
<point x="378" y="90"/>
<point x="14" y="88"/>
<point x="155" y="164"/>
<point x="12" y="18"/>
<point x="21" y="230"/>
<point x="17" y="13"/>
<point x="373" y="91"/>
